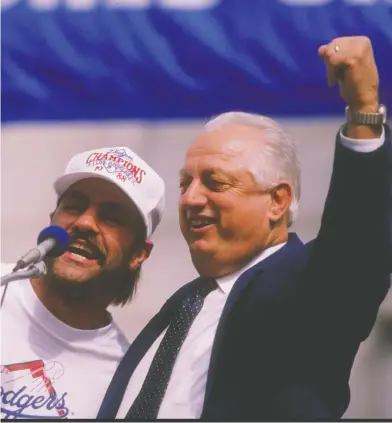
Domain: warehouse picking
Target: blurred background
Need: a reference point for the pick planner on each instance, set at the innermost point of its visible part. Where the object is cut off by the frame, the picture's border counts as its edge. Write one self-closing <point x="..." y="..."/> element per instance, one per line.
<point x="82" y="74"/>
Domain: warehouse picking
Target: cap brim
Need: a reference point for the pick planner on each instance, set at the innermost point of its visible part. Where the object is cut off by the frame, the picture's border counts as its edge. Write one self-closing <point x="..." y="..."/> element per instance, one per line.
<point x="64" y="182"/>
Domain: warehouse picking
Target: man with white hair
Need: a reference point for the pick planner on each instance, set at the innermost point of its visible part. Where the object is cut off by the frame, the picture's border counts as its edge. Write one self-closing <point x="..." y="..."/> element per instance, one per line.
<point x="270" y="329"/>
<point x="60" y="346"/>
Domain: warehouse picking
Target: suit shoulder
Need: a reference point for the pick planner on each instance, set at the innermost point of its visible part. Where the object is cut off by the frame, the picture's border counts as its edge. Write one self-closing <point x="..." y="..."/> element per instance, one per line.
<point x="301" y="256"/>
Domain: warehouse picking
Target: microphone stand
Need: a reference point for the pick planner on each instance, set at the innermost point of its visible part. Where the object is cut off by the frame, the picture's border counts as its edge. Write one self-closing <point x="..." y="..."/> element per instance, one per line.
<point x="35" y="270"/>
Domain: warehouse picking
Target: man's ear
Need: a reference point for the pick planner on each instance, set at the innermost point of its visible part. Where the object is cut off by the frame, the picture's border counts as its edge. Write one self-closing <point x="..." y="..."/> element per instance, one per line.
<point x="281" y="196"/>
<point x="141" y="255"/>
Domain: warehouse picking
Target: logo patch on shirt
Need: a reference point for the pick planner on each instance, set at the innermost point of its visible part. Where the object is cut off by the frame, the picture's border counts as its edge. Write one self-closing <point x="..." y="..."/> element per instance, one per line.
<point x="27" y="391"/>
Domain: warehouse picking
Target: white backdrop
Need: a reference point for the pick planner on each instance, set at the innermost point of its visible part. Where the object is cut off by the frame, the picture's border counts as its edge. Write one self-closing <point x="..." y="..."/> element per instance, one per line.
<point x="33" y="155"/>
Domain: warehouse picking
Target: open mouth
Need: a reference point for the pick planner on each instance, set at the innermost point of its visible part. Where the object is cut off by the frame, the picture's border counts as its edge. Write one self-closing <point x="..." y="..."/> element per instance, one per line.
<point x="85" y="253"/>
<point x="201" y="223"/>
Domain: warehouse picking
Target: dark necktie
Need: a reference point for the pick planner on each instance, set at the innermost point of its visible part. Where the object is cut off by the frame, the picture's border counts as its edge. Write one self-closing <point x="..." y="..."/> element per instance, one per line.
<point x="147" y="403"/>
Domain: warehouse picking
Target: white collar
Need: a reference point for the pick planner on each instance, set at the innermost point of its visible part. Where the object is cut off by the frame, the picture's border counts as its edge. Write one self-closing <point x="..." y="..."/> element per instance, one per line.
<point x="226" y="282"/>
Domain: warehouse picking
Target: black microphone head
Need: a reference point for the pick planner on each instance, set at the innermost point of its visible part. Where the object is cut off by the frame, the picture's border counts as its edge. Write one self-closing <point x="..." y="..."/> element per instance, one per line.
<point x="60" y="235"/>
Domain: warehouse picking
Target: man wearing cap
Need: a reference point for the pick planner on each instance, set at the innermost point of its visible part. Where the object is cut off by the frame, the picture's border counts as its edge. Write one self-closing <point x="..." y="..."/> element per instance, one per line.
<point x="60" y="346"/>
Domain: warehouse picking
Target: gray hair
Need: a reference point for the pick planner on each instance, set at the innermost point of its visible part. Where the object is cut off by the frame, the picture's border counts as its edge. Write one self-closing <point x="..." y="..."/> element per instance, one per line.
<point x="277" y="158"/>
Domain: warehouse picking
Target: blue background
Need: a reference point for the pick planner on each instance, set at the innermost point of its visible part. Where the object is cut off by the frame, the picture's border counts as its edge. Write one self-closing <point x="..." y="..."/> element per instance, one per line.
<point x="158" y="63"/>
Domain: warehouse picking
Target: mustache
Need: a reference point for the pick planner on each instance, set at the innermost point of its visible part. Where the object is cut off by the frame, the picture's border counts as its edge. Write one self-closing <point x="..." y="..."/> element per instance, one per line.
<point x="90" y="241"/>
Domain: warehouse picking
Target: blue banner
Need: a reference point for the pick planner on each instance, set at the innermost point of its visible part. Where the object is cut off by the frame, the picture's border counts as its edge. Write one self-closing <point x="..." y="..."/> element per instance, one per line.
<point x="164" y="59"/>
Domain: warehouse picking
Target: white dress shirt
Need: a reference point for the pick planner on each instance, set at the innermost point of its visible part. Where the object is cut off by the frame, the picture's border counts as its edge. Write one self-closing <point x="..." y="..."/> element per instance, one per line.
<point x="185" y="393"/>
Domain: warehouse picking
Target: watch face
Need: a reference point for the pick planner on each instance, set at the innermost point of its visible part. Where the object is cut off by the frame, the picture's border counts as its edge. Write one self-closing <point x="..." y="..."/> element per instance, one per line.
<point x="383" y="112"/>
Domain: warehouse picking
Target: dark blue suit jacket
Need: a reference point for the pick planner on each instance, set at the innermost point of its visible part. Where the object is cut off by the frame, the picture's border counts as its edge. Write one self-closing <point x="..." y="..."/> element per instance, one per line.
<point x="292" y="324"/>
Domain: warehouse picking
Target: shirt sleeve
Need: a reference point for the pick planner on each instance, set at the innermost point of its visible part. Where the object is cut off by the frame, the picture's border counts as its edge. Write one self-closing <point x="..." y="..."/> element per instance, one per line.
<point x="363" y="145"/>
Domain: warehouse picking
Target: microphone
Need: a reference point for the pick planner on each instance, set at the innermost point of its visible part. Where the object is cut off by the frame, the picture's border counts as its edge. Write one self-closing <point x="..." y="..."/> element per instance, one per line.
<point x="52" y="242"/>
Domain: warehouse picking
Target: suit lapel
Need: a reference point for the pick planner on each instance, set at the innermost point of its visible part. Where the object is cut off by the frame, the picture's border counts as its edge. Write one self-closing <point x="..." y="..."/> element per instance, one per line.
<point x="118" y="385"/>
<point x="293" y="245"/>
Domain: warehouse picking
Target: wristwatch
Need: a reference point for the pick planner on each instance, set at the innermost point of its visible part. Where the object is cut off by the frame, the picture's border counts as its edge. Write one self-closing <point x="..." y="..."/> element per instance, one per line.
<point x="361" y="118"/>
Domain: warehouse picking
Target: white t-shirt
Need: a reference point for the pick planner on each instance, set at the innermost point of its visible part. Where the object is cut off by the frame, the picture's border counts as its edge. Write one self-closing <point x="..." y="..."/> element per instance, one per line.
<point x="48" y="369"/>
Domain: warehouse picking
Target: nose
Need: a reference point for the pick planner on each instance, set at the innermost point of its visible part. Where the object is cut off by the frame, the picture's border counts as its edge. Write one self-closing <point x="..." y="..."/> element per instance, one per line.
<point x="87" y="222"/>
<point x="194" y="196"/>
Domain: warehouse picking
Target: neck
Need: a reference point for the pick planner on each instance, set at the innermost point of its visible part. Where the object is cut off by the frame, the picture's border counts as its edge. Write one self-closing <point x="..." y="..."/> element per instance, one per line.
<point x="84" y="315"/>
<point x="207" y="265"/>
<point x="278" y="237"/>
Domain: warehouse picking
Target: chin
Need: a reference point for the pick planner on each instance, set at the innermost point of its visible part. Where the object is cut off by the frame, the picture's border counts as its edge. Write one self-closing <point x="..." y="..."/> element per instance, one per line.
<point x="73" y="275"/>
<point x="200" y="246"/>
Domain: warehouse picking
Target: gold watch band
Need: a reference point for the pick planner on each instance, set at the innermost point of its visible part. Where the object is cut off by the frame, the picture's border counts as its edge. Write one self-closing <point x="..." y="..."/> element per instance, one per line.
<point x="362" y="118"/>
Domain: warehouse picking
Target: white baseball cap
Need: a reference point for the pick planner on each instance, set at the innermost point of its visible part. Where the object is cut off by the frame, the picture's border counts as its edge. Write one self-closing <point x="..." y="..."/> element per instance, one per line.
<point x="127" y="170"/>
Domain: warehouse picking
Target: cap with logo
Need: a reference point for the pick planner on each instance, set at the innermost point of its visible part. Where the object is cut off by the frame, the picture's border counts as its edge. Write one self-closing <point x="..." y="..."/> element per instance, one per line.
<point x="127" y="170"/>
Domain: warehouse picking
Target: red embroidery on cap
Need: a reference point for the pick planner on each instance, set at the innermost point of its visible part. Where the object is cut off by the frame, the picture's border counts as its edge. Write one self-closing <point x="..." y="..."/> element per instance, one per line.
<point x="116" y="161"/>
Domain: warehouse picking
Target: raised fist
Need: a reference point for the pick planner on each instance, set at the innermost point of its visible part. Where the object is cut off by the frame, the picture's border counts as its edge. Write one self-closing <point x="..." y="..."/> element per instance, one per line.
<point x="350" y="62"/>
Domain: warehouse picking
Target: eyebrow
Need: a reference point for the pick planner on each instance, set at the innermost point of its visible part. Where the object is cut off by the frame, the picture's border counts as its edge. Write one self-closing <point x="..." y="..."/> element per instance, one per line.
<point x="116" y="206"/>
<point x="211" y="171"/>
<point x="74" y="194"/>
<point x="107" y="204"/>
